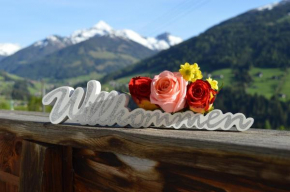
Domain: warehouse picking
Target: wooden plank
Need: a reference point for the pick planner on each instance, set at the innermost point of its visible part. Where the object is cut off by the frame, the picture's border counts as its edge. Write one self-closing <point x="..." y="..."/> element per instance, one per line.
<point x="41" y="168"/>
<point x="34" y="124"/>
<point x="67" y="169"/>
<point x="7" y="187"/>
<point x="96" y="171"/>
<point x="252" y="141"/>
<point x="256" y="155"/>
<point x="177" y="146"/>
<point x="10" y="152"/>
<point x="9" y="178"/>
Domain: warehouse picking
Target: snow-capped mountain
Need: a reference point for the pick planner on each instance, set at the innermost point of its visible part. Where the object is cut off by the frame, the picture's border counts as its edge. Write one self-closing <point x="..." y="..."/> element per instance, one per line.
<point x="161" y="42"/>
<point x="146" y="46"/>
<point x="272" y="5"/>
<point x="7" y="49"/>
<point x="100" y="29"/>
<point x="53" y="40"/>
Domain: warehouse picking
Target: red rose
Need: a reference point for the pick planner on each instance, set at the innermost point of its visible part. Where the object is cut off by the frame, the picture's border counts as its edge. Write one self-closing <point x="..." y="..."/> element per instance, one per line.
<point x="140" y="90"/>
<point x="200" y="96"/>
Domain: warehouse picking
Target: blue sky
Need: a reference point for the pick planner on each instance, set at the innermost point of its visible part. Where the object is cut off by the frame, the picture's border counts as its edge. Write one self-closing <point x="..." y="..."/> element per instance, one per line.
<point x="26" y="21"/>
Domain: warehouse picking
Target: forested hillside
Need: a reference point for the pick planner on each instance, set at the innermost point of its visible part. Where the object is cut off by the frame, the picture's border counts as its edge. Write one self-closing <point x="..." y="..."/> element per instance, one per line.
<point x="259" y="38"/>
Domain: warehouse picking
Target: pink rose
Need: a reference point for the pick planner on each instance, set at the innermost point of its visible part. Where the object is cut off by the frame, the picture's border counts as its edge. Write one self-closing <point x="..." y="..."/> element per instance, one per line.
<point x="168" y="90"/>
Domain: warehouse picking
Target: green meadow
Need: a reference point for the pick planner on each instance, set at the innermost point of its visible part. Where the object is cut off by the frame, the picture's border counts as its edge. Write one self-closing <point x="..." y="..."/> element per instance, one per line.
<point x="265" y="81"/>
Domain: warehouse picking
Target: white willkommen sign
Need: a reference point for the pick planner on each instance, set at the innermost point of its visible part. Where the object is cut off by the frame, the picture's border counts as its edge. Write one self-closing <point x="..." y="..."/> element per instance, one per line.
<point x="96" y="107"/>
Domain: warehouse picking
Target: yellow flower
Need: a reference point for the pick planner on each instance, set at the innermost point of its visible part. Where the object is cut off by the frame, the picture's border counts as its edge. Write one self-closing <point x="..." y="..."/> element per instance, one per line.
<point x="147" y="105"/>
<point x="213" y="83"/>
<point x="190" y="72"/>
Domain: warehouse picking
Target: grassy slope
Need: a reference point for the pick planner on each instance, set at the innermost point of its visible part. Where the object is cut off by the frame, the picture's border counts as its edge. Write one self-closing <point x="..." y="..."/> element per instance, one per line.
<point x="265" y="85"/>
<point x="35" y="87"/>
<point x="7" y="85"/>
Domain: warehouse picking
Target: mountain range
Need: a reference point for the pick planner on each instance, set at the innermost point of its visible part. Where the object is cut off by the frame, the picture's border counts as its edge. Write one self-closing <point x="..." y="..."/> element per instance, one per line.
<point x="97" y="49"/>
<point x="256" y="38"/>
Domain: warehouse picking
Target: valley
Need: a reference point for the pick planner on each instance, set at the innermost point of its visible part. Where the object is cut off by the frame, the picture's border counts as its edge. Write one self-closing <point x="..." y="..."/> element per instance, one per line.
<point x="248" y="54"/>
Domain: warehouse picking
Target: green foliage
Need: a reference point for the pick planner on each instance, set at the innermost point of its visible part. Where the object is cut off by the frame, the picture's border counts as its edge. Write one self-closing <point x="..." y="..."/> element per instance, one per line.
<point x="20" y="90"/>
<point x="267" y="113"/>
<point x="4" y="105"/>
<point x="35" y="104"/>
<point x="267" y="124"/>
<point x="285" y="88"/>
<point x="20" y="108"/>
<point x="242" y="76"/>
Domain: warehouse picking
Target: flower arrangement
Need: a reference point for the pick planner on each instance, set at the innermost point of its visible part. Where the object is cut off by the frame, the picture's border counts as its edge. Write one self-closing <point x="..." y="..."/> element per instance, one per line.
<point x="175" y="91"/>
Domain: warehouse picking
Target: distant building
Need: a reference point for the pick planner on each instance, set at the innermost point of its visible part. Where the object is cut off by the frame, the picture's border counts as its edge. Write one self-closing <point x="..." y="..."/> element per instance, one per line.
<point x="218" y="76"/>
<point x="282" y="95"/>
<point x="259" y="74"/>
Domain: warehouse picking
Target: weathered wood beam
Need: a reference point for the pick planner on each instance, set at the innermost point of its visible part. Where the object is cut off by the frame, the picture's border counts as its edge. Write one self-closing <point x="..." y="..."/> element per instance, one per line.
<point x="9" y="178"/>
<point x="10" y="152"/>
<point x="7" y="187"/>
<point x="42" y="168"/>
<point x="96" y="171"/>
<point x="255" y="157"/>
<point x="67" y="170"/>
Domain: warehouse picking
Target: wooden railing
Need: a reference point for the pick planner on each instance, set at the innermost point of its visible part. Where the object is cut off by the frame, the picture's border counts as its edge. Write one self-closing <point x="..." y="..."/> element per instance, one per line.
<point x="38" y="156"/>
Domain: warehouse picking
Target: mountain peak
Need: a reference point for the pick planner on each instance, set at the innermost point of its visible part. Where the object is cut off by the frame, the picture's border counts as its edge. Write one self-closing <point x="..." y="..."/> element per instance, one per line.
<point x="168" y="38"/>
<point x="268" y="6"/>
<point x="102" y="25"/>
<point x="163" y="41"/>
<point x="8" y="48"/>
<point x="163" y="35"/>
<point x="99" y="29"/>
<point x="272" y="5"/>
<point x="52" y="38"/>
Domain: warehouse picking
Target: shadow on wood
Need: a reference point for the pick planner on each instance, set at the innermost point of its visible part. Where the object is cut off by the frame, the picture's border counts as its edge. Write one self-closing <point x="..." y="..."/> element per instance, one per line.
<point x="105" y="171"/>
<point x="46" y="170"/>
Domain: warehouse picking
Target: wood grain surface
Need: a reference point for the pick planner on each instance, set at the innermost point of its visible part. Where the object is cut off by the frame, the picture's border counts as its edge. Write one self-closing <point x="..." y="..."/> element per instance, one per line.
<point x="126" y="159"/>
<point x="45" y="168"/>
<point x="10" y="152"/>
<point x="40" y="168"/>
<point x="105" y="171"/>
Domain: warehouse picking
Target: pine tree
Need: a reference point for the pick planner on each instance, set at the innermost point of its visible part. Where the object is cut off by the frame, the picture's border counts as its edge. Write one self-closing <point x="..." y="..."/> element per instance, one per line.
<point x="267" y="124"/>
